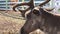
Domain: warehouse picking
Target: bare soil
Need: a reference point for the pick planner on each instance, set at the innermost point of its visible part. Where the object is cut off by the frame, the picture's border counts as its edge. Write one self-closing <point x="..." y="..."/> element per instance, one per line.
<point x="9" y="25"/>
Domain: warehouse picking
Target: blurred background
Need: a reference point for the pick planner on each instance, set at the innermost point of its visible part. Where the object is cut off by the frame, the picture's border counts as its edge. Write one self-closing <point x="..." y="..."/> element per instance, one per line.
<point x="11" y="22"/>
<point x="8" y="4"/>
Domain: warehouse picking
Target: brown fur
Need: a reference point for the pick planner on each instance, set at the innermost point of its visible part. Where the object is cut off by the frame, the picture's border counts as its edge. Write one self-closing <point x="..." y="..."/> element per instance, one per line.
<point x="41" y="19"/>
<point x="44" y="21"/>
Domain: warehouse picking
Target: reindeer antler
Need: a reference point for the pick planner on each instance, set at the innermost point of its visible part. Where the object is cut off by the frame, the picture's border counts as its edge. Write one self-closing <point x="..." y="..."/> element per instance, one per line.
<point x="30" y="4"/>
<point x="44" y="3"/>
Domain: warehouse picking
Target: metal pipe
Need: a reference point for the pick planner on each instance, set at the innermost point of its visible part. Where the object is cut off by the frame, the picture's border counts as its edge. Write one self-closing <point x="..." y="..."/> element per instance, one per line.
<point x="6" y="5"/>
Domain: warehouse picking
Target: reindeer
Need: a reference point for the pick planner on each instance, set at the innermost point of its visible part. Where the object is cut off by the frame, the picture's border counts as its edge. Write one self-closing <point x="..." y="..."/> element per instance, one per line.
<point x="40" y="18"/>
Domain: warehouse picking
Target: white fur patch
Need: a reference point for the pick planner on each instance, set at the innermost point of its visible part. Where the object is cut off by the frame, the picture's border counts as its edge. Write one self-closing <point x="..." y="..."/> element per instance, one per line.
<point x="37" y="8"/>
<point x="39" y="31"/>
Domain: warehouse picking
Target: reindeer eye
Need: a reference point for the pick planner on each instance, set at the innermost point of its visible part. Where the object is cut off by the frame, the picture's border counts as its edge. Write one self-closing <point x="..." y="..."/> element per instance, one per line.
<point x="36" y="12"/>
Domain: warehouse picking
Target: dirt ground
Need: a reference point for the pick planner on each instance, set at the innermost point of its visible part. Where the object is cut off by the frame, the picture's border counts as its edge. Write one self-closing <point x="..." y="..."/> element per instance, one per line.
<point x="9" y="25"/>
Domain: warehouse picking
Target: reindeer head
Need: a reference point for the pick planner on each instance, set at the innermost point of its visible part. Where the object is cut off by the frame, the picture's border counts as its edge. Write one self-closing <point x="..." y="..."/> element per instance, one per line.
<point x="36" y="10"/>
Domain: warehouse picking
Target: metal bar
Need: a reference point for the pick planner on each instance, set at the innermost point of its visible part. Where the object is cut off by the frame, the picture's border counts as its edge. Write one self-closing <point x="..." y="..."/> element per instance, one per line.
<point x="6" y="5"/>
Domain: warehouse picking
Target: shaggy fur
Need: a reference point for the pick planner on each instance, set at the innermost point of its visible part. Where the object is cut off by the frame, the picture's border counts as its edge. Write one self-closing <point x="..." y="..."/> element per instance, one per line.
<point x="40" y="19"/>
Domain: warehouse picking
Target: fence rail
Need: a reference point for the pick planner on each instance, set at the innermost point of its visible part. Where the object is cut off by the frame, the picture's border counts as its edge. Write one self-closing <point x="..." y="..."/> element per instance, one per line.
<point x="8" y="6"/>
